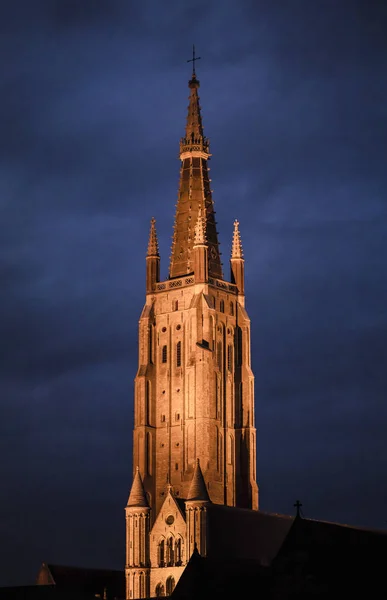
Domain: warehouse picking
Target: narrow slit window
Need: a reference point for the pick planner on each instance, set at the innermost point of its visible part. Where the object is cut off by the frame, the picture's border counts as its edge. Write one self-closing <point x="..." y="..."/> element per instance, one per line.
<point x="229" y="357"/>
<point x="221" y="306"/>
<point x="178" y="354"/>
<point x="164" y="354"/>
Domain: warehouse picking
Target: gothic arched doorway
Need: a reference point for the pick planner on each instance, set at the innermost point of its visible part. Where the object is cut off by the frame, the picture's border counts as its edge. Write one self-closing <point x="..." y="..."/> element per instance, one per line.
<point x="170" y="585"/>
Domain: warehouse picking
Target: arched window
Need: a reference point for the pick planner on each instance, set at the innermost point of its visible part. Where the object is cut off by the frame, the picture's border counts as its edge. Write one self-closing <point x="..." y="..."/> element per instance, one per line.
<point x="170" y="552"/>
<point x="232" y="309"/>
<point x="178" y="554"/>
<point x="160" y="591"/>
<point x="161" y="553"/>
<point x="141" y="585"/>
<point x="175" y="305"/>
<point x="178" y="354"/>
<point x="170" y="585"/>
<point x="221" y="306"/>
<point x="164" y="354"/>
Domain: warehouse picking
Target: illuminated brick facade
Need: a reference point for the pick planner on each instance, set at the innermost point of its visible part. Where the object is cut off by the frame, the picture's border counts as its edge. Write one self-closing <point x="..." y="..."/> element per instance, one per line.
<point x="194" y="439"/>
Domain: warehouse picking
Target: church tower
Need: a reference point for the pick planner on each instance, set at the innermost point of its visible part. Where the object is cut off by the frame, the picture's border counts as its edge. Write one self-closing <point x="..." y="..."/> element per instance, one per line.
<point x="194" y="432"/>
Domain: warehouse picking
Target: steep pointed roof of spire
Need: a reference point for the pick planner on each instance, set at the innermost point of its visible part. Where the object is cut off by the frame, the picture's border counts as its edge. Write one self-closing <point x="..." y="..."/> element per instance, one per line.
<point x="236" y="250"/>
<point x="194" y="191"/>
<point x="194" y="126"/>
<point x="137" y="496"/>
<point x="198" y="488"/>
<point x="200" y="229"/>
<point x="153" y="245"/>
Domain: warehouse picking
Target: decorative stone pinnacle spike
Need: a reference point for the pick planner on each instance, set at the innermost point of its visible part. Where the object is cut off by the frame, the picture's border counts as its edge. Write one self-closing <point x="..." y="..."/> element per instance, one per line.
<point x="153" y="245"/>
<point x="236" y="251"/>
<point x="200" y="229"/>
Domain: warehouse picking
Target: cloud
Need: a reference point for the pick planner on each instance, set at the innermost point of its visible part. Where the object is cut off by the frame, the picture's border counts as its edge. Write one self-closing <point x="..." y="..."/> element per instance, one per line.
<point x="94" y="101"/>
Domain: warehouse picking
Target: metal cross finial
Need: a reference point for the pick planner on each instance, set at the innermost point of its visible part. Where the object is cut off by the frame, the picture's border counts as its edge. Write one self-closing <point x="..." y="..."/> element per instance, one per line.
<point x="192" y="60"/>
<point x="298" y="505"/>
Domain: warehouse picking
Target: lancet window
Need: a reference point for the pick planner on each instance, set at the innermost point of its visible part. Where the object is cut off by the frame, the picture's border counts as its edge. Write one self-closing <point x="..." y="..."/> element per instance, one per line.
<point x="178" y="552"/>
<point x="170" y="552"/>
<point x="170" y="585"/>
<point x="141" y="585"/>
<point x="161" y="553"/>
<point x="178" y="354"/>
<point x="164" y="354"/>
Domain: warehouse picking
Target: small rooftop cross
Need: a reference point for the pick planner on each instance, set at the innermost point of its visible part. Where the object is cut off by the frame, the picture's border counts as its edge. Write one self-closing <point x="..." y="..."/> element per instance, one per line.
<point x="193" y="59"/>
<point x="297" y="505"/>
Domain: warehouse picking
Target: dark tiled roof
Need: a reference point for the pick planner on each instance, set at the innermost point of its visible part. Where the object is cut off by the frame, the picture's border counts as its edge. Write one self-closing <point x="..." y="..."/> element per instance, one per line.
<point x="181" y="504"/>
<point x="94" y="581"/>
<point x="42" y="592"/>
<point x="316" y="560"/>
<point x="209" y="578"/>
<point x="240" y="533"/>
<point x="319" y="544"/>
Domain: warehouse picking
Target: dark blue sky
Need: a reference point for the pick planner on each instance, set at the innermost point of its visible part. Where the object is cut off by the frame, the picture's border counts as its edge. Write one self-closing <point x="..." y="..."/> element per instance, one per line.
<point x="93" y="103"/>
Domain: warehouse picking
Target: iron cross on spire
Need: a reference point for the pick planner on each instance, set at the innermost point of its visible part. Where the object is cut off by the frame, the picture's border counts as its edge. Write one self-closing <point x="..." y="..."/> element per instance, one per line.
<point x="298" y="505"/>
<point x="193" y="59"/>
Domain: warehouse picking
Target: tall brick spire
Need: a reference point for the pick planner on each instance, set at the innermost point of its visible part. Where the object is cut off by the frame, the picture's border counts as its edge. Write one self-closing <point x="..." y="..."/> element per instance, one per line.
<point x="194" y="191"/>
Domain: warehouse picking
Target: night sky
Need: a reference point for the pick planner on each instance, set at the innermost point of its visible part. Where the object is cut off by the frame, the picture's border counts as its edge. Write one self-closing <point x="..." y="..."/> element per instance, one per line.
<point x="93" y="102"/>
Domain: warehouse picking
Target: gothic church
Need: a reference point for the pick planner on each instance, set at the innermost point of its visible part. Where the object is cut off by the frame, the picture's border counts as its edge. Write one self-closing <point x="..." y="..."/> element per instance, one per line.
<point x="194" y="442"/>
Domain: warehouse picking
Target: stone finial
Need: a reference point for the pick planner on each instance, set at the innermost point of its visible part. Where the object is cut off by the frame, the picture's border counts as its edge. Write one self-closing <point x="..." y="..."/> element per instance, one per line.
<point x="198" y="488"/>
<point x="137" y="496"/>
<point x="153" y="245"/>
<point x="200" y="229"/>
<point x="236" y="251"/>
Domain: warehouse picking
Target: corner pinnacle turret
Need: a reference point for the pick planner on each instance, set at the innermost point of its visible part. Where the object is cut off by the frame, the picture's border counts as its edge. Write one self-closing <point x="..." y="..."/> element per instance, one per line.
<point x="152" y="259"/>
<point x="237" y="262"/>
<point x="153" y="245"/>
<point x="198" y="489"/>
<point x="137" y="496"/>
<point x="236" y="251"/>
